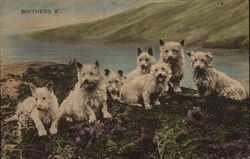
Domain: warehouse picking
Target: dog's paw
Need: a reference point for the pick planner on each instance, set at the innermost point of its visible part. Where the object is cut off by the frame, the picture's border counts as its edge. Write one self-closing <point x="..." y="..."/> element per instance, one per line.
<point x="53" y="130"/>
<point x="137" y="105"/>
<point x="69" y="119"/>
<point x="42" y="132"/>
<point x="92" y="119"/>
<point x="148" y="107"/>
<point x="107" y="115"/>
<point x="157" y="103"/>
<point x="177" y="90"/>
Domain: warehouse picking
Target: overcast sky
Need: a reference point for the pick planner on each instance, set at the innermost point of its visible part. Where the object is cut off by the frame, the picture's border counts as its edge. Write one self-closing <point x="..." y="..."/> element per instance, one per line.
<point x="70" y="12"/>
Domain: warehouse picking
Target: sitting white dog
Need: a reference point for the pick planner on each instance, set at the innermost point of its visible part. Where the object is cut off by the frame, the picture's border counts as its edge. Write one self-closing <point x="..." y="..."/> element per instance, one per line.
<point x="207" y="78"/>
<point x="88" y="96"/>
<point x="156" y="83"/>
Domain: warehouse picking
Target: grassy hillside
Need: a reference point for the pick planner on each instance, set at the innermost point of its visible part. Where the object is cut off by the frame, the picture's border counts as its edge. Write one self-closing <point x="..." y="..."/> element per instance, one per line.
<point x="186" y="127"/>
<point x="207" y="23"/>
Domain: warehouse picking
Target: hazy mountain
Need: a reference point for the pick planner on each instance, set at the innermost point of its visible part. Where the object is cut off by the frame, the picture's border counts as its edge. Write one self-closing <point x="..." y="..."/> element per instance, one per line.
<point x="205" y="23"/>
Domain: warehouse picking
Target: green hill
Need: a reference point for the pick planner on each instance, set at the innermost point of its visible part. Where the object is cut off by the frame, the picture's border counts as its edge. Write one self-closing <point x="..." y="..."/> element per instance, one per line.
<point x="207" y="23"/>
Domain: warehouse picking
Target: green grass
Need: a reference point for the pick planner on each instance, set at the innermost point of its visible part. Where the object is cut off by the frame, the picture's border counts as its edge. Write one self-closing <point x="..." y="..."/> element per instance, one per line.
<point x="220" y="131"/>
<point x="221" y="23"/>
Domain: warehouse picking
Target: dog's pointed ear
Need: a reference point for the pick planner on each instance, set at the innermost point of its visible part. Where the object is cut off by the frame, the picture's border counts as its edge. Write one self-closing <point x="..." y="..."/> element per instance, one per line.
<point x="150" y="51"/>
<point x="32" y="88"/>
<point x="161" y="42"/>
<point x="78" y="66"/>
<point x="190" y="53"/>
<point x="106" y="72"/>
<point x="120" y="72"/>
<point x="50" y="86"/>
<point x="182" y="42"/>
<point x="209" y="56"/>
<point x="97" y="64"/>
<point x="139" y="51"/>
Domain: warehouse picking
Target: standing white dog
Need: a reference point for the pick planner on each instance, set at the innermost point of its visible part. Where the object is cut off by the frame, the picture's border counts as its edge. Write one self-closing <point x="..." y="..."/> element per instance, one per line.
<point x="173" y="54"/>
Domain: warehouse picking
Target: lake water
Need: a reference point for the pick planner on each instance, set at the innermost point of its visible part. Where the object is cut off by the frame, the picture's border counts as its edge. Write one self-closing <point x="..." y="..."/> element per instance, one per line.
<point x="234" y="63"/>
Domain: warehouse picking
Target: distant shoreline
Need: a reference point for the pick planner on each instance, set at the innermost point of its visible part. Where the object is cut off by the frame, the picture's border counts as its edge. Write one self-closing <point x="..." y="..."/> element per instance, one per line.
<point x="62" y="41"/>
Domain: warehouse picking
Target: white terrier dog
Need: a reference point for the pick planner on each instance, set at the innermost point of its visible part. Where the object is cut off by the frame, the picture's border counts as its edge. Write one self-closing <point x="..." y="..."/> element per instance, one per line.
<point x="114" y="81"/>
<point x="41" y="107"/>
<point x="173" y="54"/>
<point x="155" y="83"/>
<point x="144" y="62"/>
<point x="208" y="78"/>
<point x="88" y="96"/>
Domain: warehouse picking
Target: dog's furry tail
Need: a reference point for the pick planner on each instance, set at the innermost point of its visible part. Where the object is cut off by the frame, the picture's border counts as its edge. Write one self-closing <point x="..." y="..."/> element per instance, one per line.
<point x="13" y="118"/>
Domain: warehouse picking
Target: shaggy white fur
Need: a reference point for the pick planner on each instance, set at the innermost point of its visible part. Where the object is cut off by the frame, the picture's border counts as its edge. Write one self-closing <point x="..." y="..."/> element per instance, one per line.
<point x="88" y="96"/>
<point x="114" y="81"/>
<point x="156" y="82"/>
<point x="144" y="62"/>
<point x="42" y="107"/>
<point x="173" y="54"/>
<point x="208" y="78"/>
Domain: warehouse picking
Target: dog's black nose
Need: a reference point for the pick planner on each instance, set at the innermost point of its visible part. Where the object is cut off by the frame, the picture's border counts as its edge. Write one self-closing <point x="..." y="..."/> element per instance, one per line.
<point x="39" y="107"/>
<point x="113" y="91"/>
<point x="198" y="67"/>
<point x="86" y="81"/>
<point x="160" y="75"/>
<point x="170" y="57"/>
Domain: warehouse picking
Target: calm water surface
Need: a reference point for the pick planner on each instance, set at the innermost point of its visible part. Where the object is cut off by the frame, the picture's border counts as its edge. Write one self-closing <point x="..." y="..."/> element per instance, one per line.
<point x="234" y="63"/>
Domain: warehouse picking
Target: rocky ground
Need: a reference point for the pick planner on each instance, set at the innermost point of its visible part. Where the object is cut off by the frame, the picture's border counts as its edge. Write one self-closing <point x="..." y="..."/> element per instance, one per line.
<point x="185" y="127"/>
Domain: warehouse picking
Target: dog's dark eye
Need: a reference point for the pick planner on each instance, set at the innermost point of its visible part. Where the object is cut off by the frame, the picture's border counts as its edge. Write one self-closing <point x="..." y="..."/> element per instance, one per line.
<point x="44" y="98"/>
<point x="110" y="82"/>
<point x="116" y="81"/>
<point x="84" y="74"/>
<point x="36" y="99"/>
<point x="91" y="73"/>
<point x="163" y="68"/>
<point x="156" y="69"/>
<point x="166" y="51"/>
<point x="147" y="60"/>
<point x="140" y="59"/>
<point x="195" y="60"/>
<point x="175" y="51"/>
<point x="202" y="60"/>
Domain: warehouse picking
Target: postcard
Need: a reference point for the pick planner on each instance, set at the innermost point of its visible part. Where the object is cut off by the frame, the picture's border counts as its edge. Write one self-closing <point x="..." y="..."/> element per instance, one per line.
<point x="124" y="79"/>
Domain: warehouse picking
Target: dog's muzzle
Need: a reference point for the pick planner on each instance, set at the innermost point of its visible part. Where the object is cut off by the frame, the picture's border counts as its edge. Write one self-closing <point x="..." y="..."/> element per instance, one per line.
<point x="170" y="58"/>
<point x="160" y="78"/>
<point x="144" y="68"/>
<point x="40" y="108"/>
<point x="89" y="85"/>
<point x="199" y="68"/>
<point x="115" y="92"/>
